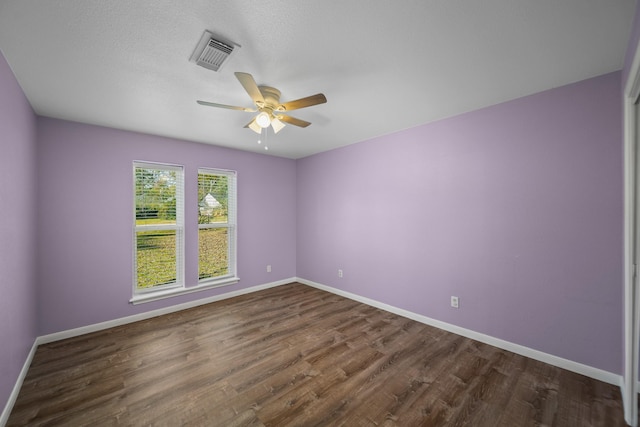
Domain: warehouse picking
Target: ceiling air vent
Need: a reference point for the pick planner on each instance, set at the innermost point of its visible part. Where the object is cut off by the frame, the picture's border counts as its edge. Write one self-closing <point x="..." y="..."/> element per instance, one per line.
<point x="213" y="51"/>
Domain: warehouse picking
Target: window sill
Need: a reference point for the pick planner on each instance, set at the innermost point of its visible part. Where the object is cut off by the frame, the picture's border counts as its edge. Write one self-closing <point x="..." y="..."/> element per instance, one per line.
<point x="168" y="293"/>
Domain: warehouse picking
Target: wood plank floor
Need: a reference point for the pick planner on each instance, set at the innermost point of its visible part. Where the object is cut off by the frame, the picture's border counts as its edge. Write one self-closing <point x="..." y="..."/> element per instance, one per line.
<point x="297" y="356"/>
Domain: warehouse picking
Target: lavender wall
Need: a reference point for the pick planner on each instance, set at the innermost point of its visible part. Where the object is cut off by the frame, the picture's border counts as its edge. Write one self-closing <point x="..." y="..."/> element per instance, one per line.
<point x="18" y="200"/>
<point x="85" y="205"/>
<point x="516" y="209"/>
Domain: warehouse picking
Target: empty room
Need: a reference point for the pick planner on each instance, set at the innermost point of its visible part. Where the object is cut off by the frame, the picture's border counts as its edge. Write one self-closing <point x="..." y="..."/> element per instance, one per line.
<point x="295" y="213"/>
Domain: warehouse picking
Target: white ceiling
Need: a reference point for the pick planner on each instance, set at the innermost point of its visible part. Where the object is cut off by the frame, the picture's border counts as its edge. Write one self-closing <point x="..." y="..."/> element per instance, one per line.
<point x="383" y="65"/>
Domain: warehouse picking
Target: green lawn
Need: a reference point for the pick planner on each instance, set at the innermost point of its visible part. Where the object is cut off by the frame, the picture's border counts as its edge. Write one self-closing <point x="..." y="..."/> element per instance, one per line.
<point x="213" y="250"/>
<point x="156" y="256"/>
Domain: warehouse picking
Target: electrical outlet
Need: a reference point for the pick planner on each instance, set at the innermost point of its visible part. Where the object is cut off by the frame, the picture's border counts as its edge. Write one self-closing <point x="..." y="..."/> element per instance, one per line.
<point x="339" y="273"/>
<point x="269" y="268"/>
<point x="455" y="303"/>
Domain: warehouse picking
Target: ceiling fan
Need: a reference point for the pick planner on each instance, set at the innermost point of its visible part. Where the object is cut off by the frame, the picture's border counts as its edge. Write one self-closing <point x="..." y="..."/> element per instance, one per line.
<point x="267" y="101"/>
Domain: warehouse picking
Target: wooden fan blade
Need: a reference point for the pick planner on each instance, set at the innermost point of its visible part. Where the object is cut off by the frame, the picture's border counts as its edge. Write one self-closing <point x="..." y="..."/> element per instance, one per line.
<point x="304" y="102"/>
<point x="293" y="121"/>
<point x="249" y="84"/>
<point x="230" y="107"/>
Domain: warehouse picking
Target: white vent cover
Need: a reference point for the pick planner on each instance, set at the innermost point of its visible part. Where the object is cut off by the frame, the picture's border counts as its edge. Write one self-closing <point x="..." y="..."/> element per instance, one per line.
<point x="213" y="51"/>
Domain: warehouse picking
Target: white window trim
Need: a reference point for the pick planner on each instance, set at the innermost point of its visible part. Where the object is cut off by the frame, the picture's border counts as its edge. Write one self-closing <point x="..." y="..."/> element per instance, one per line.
<point x="231" y="226"/>
<point x="179" y="285"/>
<point x="172" y="292"/>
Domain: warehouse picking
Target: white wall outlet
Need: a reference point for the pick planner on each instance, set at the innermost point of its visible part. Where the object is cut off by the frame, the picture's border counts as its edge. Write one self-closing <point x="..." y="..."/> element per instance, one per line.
<point x="269" y="268"/>
<point x="455" y="302"/>
<point x="339" y="273"/>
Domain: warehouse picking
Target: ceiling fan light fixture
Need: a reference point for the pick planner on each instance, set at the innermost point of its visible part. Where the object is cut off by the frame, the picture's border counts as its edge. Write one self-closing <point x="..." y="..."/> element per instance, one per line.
<point x="254" y="126"/>
<point x="266" y="99"/>
<point x="277" y="125"/>
<point x="263" y="120"/>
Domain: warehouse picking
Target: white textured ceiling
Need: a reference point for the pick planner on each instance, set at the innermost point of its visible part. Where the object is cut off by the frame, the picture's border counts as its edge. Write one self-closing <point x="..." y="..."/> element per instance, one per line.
<point x="383" y="65"/>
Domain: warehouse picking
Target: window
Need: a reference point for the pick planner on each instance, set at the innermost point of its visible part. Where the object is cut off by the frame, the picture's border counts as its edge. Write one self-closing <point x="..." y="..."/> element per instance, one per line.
<point x="159" y="227"/>
<point x="216" y="225"/>
<point x="159" y="230"/>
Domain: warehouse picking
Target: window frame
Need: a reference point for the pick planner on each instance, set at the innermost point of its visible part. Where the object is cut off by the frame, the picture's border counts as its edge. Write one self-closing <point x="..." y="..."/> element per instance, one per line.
<point x="183" y="228"/>
<point x="231" y="226"/>
<point x="179" y="228"/>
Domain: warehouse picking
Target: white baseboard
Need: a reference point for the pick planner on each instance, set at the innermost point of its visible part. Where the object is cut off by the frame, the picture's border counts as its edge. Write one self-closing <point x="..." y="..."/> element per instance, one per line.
<point x="57" y="336"/>
<point x="560" y="362"/>
<point x="70" y="333"/>
<point x="589" y="371"/>
<point x="4" y="417"/>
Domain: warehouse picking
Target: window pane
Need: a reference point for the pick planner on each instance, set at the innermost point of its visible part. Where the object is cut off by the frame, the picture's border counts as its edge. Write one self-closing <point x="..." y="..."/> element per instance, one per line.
<point x="155" y="196"/>
<point x="213" y="199"/>
<point x="156" y="258"/>
<point x="213" y="252"/>
<point x="217" y="219"/>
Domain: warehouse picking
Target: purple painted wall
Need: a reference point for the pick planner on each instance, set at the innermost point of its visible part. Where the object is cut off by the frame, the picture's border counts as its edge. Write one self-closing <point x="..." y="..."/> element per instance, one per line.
<point x="516" y="209"/>
<point x="85" y="203"/>
<point x="18" y="204"/>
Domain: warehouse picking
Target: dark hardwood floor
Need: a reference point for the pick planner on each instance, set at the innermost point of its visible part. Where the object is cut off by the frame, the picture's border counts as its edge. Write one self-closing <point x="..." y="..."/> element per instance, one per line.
<point x="295" y="355"/>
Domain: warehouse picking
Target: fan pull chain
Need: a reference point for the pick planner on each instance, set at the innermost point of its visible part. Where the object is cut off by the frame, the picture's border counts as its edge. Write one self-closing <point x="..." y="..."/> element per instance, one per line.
<point x="264" y="131"/>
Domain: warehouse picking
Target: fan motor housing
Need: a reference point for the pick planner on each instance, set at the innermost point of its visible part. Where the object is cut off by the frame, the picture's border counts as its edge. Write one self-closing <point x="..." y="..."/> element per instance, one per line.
<point x="271" y="97"/>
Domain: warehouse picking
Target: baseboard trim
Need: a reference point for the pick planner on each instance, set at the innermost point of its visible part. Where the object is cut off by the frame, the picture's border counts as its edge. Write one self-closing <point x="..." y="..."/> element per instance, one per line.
<point x="57" y="336"/>
<point x="589" y="371"/>
<point x="70" y="333"/>
<point x="4" y="417"/>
